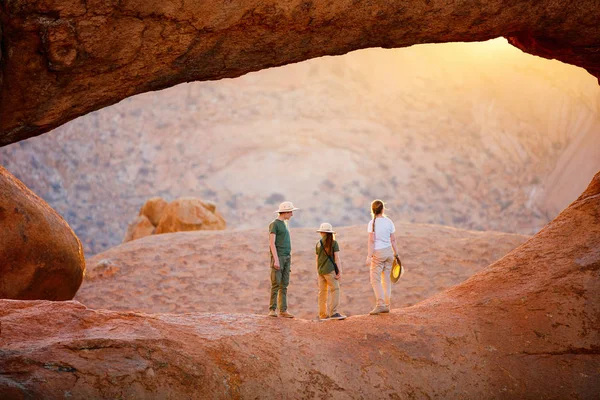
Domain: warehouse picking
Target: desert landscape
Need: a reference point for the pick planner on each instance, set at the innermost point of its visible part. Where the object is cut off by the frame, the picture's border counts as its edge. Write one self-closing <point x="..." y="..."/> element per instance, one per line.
<point x="460" y="148"/>
<point x="134" y="201"/>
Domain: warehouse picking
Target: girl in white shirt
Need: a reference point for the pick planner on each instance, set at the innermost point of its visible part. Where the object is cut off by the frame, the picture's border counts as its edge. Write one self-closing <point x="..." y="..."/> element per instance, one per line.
<point x="381" y="252"/>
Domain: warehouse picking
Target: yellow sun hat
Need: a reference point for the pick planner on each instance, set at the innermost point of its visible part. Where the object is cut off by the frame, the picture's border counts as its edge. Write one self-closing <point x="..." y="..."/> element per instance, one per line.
<point x="397" y="270"/>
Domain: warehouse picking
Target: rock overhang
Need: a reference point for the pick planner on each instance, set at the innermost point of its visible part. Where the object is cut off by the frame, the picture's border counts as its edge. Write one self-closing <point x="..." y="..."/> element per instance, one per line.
<point x="61" y="60"/>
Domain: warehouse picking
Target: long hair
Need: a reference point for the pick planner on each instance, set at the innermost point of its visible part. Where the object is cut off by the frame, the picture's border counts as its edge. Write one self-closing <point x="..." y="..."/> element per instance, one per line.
<point x="328" y="243"/>
<point x="377" y="207"/>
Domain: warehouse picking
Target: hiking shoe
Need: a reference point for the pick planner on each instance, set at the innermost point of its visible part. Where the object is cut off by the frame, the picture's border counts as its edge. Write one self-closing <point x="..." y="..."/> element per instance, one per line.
<point x="285" y="314"/>
<point x="378" y="310"/>
<point x="273" y="313"/>
<point x="385" y="310"/>
<point x="337" y="316"/>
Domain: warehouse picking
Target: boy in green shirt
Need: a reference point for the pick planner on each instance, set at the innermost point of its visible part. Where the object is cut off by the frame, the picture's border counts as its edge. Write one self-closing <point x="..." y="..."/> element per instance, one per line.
<point x="281" y="257"/>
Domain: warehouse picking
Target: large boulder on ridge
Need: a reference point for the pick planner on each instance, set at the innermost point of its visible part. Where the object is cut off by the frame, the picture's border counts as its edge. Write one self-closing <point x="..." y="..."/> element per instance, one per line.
<point x="40" y="256"/>
<point x="189" y="214"/>
<point x="153" y="209"/>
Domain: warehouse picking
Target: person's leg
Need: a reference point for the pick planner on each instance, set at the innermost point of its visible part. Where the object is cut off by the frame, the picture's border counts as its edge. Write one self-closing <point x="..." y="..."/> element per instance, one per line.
<point x="284" y="262"/>
<point x="333" y="297"/>
<point x="275" y="284"/>
<point x="323" y="297"/>
<point x="387" y="280"/>
<point x="376" y="270"/>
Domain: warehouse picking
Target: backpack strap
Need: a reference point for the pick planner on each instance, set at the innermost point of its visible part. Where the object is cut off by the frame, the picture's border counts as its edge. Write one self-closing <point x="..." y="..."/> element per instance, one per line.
<point x="337" y="270"/>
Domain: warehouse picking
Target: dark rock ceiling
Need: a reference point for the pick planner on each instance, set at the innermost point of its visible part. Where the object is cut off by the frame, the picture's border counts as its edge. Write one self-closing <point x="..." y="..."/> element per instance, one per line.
<point x="65" y="58"/>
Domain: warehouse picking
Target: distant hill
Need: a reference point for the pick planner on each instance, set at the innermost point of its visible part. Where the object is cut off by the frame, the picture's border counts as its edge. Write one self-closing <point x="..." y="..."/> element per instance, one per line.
<point x="477" y="136"/>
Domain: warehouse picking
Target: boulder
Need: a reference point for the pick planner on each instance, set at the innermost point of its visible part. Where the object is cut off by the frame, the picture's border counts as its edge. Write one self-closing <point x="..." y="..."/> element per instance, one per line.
<point x="153" y="209"/>
<point x="138" y="228"/>
<point x="189" y="214"/>
<point x="40" y="256"/>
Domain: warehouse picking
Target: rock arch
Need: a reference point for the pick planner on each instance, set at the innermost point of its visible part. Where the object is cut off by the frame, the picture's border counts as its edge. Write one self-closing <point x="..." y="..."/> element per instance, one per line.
<point x="63" y="59"/>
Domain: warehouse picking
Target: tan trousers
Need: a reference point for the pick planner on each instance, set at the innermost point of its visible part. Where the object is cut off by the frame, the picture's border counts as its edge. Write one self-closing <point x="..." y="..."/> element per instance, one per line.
<point x="381" y="266"/>
<point x="329" y="290"/>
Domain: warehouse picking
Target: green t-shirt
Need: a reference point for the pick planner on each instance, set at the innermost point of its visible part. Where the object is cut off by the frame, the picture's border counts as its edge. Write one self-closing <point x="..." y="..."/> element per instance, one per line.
<point x="283" y="244"/>
<point x="324" y="264"/>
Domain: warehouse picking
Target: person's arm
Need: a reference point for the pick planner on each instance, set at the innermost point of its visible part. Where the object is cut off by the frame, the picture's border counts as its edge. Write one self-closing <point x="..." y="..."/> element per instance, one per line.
<point x="273" y="250"/>
<point x="370" y="246"/>
<point x="338" y="262"/>
<point x="394" y="245"/>
<point x="317" y="265"/>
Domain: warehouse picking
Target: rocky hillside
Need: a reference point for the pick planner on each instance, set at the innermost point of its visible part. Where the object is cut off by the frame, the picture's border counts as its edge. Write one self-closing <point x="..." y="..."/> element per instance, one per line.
<point x="228" y="271"/>
<point x="477" y="136"/>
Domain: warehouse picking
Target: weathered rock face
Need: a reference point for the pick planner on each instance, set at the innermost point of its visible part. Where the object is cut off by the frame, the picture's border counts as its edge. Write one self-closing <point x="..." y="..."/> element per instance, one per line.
<point x="153" y="209"/>
<point x="40" y="256"/>
<point x="138" y="228"/>
<point x="526" y="327"/>
<point x="228" y="271"/>
<point x="65" y="59"/>
<point x="189" y="214"/>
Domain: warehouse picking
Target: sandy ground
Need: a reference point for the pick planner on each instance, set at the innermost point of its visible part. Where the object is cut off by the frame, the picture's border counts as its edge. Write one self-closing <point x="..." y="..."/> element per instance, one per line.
<point x="228" y="271"/>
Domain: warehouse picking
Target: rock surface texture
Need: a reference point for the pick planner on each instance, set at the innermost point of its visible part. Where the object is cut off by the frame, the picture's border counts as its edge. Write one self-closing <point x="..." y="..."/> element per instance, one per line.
<point x="153" y="209"/>
<point x="64" y="59"/>
<point x="138" y="228"/>
<point x="228" y="271"/>
<point x="525" y="327"/>
<point x="40" y="256"/>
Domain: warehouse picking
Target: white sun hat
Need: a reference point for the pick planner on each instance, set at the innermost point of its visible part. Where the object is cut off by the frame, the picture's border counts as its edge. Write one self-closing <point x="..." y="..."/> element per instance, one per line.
<point x="286" y="206"/>
<point x="326" y="228"/>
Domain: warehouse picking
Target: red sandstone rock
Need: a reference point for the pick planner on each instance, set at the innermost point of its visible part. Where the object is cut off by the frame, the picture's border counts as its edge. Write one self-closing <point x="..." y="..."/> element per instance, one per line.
<point x="65" y="59"/>
<point x="138" y="228"/>
<point x="189" y="214"/>
<point x="40" y="256"/>
<point x="525" y="327"/>
<point x="153" y="209"/>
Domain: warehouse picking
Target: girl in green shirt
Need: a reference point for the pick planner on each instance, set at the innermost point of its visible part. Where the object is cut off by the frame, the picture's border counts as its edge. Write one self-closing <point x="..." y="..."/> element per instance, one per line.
<point x="329" y="270"/>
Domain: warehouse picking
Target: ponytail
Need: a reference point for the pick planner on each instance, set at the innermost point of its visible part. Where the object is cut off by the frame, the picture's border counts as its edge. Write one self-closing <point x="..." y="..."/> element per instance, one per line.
<point x="377" y="207"/>
<point x="328" y="244"/>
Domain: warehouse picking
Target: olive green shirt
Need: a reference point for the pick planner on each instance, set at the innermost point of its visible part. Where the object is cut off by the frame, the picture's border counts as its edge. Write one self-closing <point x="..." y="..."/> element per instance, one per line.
<point x="283" y="243"/>
<point x="324" y="264"/>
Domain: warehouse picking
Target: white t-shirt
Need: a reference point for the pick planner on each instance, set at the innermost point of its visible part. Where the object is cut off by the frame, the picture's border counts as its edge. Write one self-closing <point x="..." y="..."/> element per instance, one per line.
<point x="384" y="227"/>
